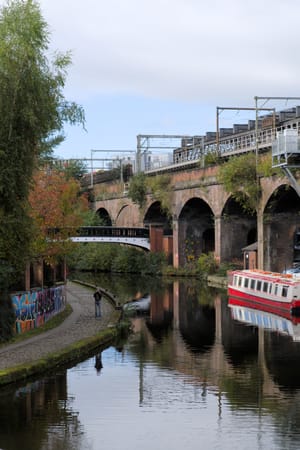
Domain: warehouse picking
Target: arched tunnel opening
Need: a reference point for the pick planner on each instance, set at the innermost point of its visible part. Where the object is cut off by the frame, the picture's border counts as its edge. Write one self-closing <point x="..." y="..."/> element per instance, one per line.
<point x="155" y="216"/>
<point x="280" y="229"/>
<point x="104" y="217"/>
<point x="238" y="230"/>
<point x="196" y="232"/>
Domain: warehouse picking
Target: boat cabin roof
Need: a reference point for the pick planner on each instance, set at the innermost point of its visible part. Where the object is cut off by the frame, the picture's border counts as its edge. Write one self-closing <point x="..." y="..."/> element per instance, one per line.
<point x="275" y="277"/>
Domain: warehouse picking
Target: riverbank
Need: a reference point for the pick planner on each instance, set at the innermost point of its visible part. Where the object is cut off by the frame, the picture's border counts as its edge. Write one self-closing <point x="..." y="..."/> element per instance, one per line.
<point x="214" y="280"/>
<point x="78" y="335"/>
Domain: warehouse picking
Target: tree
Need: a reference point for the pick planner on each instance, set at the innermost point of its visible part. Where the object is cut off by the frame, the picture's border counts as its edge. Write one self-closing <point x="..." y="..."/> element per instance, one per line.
<point x="138" y="189"/>
<point x="57" y="205"/>
<point x="33" y="111"/>
<point x="72" y="168"/>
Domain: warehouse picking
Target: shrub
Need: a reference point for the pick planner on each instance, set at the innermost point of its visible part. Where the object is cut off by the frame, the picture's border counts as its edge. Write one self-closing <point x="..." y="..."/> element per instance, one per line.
<point x="207" y="263"/>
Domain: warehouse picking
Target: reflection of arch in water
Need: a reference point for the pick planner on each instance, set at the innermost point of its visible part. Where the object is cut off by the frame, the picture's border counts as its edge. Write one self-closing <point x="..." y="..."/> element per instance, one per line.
<point x="197" y="318"/>
<point x="282" y="360"/>
<point x="197" y="327"/>
<point x="240" y="342"/>
<point x="160" y="329"/>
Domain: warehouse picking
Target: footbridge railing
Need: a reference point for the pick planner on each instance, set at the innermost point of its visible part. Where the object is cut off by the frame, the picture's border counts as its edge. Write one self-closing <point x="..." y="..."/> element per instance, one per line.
<point x="138" y="237"/>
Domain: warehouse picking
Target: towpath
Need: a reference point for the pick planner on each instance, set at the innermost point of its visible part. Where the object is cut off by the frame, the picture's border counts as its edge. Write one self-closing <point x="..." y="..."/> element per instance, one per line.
<point x="79" y="325"/>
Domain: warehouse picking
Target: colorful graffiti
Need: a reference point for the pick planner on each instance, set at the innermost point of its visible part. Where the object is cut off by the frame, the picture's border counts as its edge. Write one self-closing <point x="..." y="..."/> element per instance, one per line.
<point x="34" y="308"/>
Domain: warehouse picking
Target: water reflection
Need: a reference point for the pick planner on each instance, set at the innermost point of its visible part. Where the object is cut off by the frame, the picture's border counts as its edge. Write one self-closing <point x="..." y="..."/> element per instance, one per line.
<point x="194" y="373"/>
<point x="40" y="415"/>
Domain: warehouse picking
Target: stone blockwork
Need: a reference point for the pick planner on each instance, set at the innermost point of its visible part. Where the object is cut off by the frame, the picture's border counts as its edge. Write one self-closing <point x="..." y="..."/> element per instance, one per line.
<point x="207" y="217"/>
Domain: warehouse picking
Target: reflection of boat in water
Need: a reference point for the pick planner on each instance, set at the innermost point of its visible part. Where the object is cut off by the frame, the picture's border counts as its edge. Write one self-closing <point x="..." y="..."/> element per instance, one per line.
<point x="286" y="324"/>
<point x="280" y="292"/>
<point x="142" y="305"/>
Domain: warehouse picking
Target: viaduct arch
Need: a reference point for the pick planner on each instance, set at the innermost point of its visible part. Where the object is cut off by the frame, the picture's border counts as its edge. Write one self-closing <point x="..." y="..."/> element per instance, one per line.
<point x="205" y="218"/>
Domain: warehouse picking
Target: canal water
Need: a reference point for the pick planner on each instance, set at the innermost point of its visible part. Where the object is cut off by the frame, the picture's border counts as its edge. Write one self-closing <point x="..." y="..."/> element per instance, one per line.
<point x="196" y="373"/>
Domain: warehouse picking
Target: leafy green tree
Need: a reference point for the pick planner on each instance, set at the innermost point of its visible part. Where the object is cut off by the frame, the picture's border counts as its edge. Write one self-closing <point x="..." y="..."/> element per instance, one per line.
<point x="33" y="111"/>
<point x="138" y="189"/>
<point x="161" y="191"/>
<point x="72" y="168"/>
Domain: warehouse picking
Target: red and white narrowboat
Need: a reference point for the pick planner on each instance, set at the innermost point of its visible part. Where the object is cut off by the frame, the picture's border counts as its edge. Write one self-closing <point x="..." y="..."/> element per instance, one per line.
<point x="276" y="291"/>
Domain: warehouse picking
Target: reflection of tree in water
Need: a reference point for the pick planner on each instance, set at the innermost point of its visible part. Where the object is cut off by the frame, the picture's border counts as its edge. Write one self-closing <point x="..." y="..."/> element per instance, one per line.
<point x="197" y="316"/>
<point x="39" y="416"/>
<point x="124" y="286"/>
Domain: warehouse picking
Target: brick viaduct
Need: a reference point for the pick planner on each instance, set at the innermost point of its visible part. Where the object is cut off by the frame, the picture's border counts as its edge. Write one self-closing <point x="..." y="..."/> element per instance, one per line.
<point x="204" y="218"/>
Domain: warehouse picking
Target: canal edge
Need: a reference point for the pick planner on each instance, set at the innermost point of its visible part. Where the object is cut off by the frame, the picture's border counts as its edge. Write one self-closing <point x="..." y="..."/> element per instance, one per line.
<point x="63" y="358"/>
<point x="68" y="356"/>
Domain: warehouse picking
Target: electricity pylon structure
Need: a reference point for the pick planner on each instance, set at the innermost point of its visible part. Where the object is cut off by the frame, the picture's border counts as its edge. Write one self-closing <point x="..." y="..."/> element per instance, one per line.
<point x="285" y="147"/>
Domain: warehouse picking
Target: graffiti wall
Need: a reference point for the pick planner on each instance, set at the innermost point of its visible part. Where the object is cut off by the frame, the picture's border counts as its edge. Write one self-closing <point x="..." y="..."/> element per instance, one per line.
<point x="34" y="308"/>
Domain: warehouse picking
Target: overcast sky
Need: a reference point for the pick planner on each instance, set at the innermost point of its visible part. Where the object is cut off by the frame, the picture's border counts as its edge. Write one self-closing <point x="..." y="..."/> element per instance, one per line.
<point x="162" y="66"/>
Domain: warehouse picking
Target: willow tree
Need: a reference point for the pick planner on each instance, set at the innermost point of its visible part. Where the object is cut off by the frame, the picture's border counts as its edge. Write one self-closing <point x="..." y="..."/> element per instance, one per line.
<point x="33" y="111"/>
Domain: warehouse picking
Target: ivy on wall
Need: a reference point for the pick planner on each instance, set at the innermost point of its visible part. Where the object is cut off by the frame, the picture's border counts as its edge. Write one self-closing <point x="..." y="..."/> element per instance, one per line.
<point x="240" y="177"/>
<point x="158" y="187"/>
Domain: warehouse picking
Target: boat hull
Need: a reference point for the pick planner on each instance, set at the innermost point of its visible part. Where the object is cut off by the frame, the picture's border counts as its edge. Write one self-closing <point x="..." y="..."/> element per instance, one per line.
<point x="284" y="309"/>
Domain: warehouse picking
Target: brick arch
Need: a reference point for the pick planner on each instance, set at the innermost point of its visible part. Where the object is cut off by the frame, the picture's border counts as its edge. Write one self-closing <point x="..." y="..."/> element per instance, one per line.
<point x="154" y="215"/>
<point x="238" y="229"/>
<point x="196" y="230"/>
<point x="269" y="187"/>
<point x="128" y="216"/>
<point x="104" y="217"/>
<point x="181" y="198"/>
<point x="281" y="223"/>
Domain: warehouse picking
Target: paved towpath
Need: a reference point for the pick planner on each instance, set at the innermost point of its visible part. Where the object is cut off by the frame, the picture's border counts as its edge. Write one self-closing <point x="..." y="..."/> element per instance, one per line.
<point x="79" y="325"/>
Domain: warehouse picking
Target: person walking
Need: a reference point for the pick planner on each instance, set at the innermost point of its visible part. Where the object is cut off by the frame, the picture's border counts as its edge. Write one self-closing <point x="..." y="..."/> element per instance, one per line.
<point x="98" y="297"/>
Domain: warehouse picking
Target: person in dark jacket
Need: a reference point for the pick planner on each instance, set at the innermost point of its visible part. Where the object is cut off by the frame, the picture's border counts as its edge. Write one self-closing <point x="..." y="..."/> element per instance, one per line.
<point x="98" y="297"/>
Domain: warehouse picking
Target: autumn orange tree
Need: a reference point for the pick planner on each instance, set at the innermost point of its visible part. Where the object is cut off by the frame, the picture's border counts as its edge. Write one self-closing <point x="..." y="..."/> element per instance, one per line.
<point x="57" y="210"/>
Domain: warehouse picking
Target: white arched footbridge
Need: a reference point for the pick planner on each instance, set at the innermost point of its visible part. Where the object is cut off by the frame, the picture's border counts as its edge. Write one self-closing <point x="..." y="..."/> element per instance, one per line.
<point x="138" y="237"/>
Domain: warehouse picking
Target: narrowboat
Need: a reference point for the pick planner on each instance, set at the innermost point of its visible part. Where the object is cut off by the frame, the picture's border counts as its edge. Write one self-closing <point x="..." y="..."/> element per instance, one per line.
<point x="276" y="291"/>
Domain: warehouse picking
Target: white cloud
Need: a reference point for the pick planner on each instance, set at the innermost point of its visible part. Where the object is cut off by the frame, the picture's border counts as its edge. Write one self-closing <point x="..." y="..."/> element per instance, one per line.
<point x="180" y="49"/>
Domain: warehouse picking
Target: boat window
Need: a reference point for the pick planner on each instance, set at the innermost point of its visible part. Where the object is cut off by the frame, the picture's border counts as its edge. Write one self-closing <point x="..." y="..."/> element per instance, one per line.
<point x="265" y="286"/>
<point x="252" y="284"/>
<point x="235" y="278"/>
<point x="285" y="291"/>
<point x="240" y="281"/>
<point x="258" y="285"/>
<point x="270" y="288"/>
<point x="246" y="282"/>
<point x="276" y="289"/>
